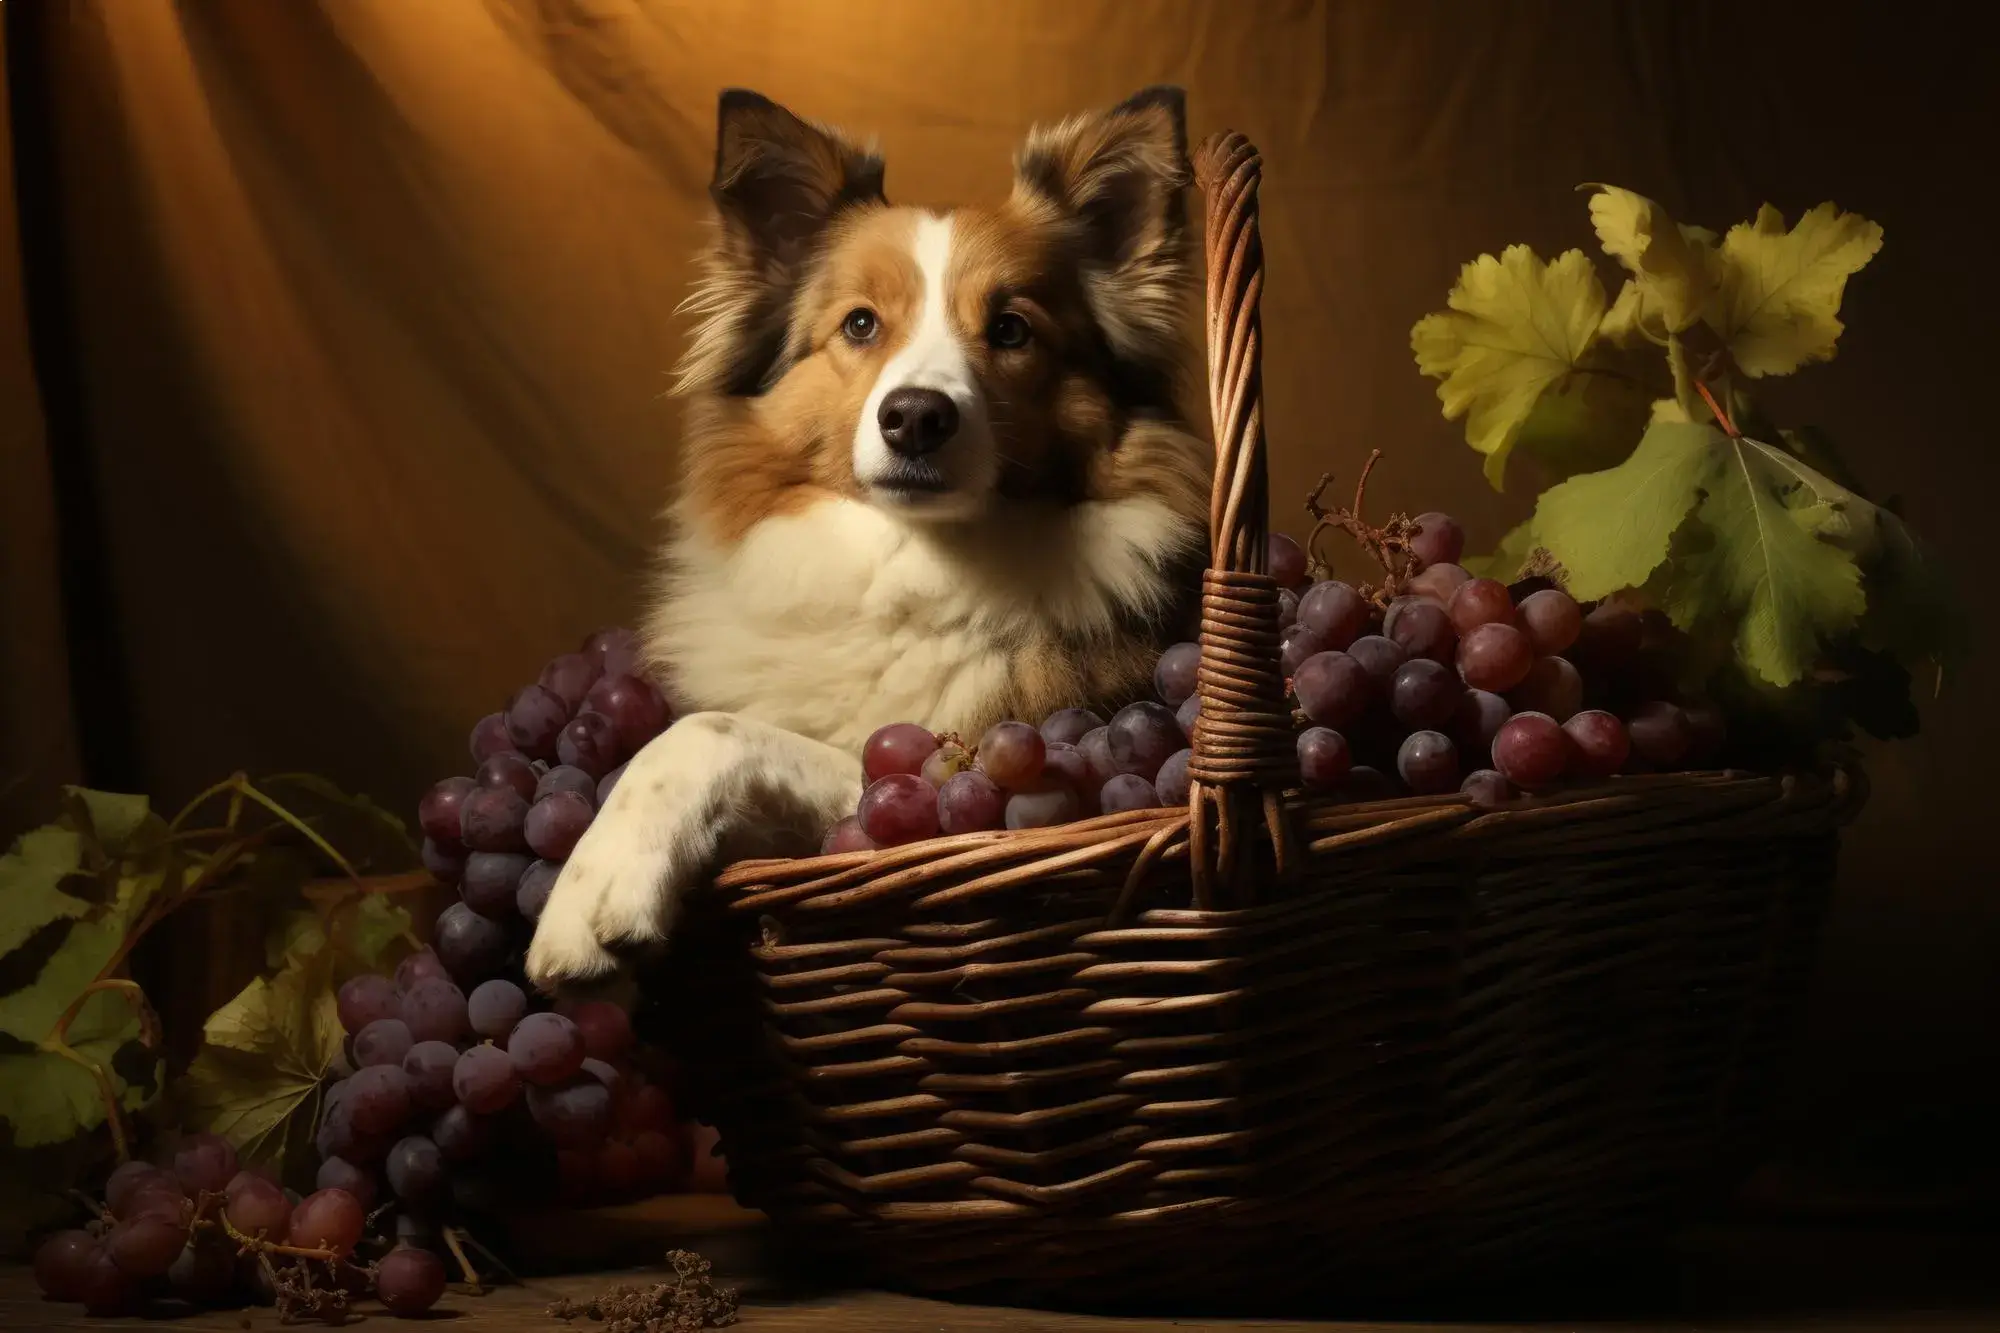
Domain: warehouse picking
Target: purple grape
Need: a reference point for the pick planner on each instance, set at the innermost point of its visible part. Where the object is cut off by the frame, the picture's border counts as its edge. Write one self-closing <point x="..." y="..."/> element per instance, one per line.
<point x="128" y="1178"/>
<point x="327" y="1220"/>
<point x="337" y="1173"/>
<point x="445" y="863"/>
<point x="1335" y="613"/>
<point x="1599" y="743"/>
<point x="1042" y="809"/>
<point x="491" y="880"/>
<point x="1495" y="657"/>
<point x="1188" y="713"/>
<point x="428" y="1066"/>
<point x="1174" y="782"/>
<point x="1439" y="582"/>
<point x="494" y="1007"/>
<point x="615" y="650"/>
<point x="204" y="1162"/>
<point x="970" y="802"/>
<point x="471" y="947"/>
<point x="576" y="1113"/>
<point x="434" y="1010"/>
<point x="589" y="742"/>
<point x="461" y="1135"/>
<point x="546" y="1048"/>
<point x="484" y="1080"/>
<point x="898" y="809"/>
<point x="1551" y="686"/>
<point x="492" y="818"/>
<point x="1333" y="689"/>
<point x="1480" y="602"/>
<point x="637" y="711"/>
<point x="1141" y="737"/>
<point x="1488" y="790"/>
<point x="1065" y="764"/>
<point x="1069" y="725"/>
<point x="419" y="966"/>
<point x="1173" y="677"/>
<point x="1424" y="695"/>
<point x="1421" y="628"/>
<point x="538" y="881"/>
<point x="607" y="784"/>
<point x="364" y="999"/>
<point x="378" y="1099"/>
<point x="1379" y="656"/>
<point x="1095" y="747"/>
<point x="1660" y="734"/>
<point x="1127" y="791"/>
<point x="146" y="1247"/>
<point x="1609" y="639"/>
<point x="535" y="716"/>
<point x="437" y="812"/>
<point x="900" y="747"/>
<point x="1477" y="721"/>
<point x="1295" y="645"/>
<point x="605" y="1027"/>
<point x="570" y="676"/>
<point x="1551" y="619"/>
<point x="564" y="778"/>
<point x="1438" y="539"/>
<point x="556" y="823"/>
<point x="489" y="737"/>
<point x="1010" y="753"/>
<point x="511" y="769"/>
<point x="1531" y="750"/>
<point x="1324" y="759"/>
<point x="1286" y="560"/>
<point x="1428" y="763"/>
<point x="384" y="1042"/>
<point x="1288" y="608"/>
<point x="415" y="1169"/>
<point x="260" y="1208"/>
<point x="1366" y="783"/>
<point x="409" y="1280"/>
<point x="846" y="836"/>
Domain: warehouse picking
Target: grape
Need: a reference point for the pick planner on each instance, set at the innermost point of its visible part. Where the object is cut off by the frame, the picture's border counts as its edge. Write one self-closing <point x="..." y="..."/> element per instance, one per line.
<point x="1438" y="539"/>
<point x="471" y="947"/>
<point x="491" y="820"/>
<point x="507" y="770"/>
<point x="1141" y="737"/>
<point x="204" y="1162"/>
<point x="1531" y="750"/>
<point x="1333" y="689"/>
<point x="605" y="1027"/>
<point x="1428" y="763"/>
<point x="489" y="737"/>
<point x="556" y="823"/>
<point x="445" y="862"/>
<point x="1438" y="582"/>
<point x="460" y="1134"/>
<point x="145" y="1247"/>
<point x="900" y="808"/>
<point x="419" y="966"/>
<point x="1600" y="743"/>
<point x="546" y="1048"/>
<point x="126" y="1181"/>
<point x="1481" y="602"/>
<point x="1042" y="809"/>
<point x="1095" y="747"/>
<point x="428" y="1066"/>
<point x="970" y="802"/>
<point x="1609" y="639"/>
<point x="484" y="1080"/>
<point x="415" y="1169"/>
<point x="260" y="1209"/>
<point x="846" y="836"/>
<point x="648" y="1107"/>
<point x="1173" y="677"/>
<point x="535" y="717"/>
<point x="615" y="650"/>
<point x="1285" y="559"/>
<point x="1174" y="782"/>
<point x="1551" y="686"/>
<point x="204" y="1272"/>
<point x="1187" y="714"/>
<point x="1011" y="754"/>
<point x="1488" y="790"/>
<point x="607" y="784"/>
<point x="1660" y="734"/>
<point x="1065" y="765"/>
<point x="1552" y="620"/>
<point x="575" y="1114"/>
<point x="564" y="778"/>
<point x="434" y="1010"/>
<point x="617" y="1168"/>
<point x="1335" y="612"/>
<point x="1421" y="628"/>
<point x="384" y="1042"/>
<point x="638" y="711"/>
<point x="942" y="763"/>
<point x="589" y="742"/>
<point x="659" y="1159"/>
<point x="491" y="880"/>
<point x="494" y="1007"/>
<point x="106" y="1288"/>
<point x="1423" y="694"/>
<point x="1365" y="782"/>
<point x="538" y="881"/>
<point x="1495" y="657"/>
<point x="1295" y="645"/>
<point x="900" y="747"/>
<point x="570" y="676"/>
<point x="1324" y="758"/>
<point x="1069" y="725"/>
<point x="337" y="1173"/>
<point x="378" y="1098"/>
<point x="328" y="1219"/>
<point x="1127" y="791"/>
<point x="160" y="1198"/>
<point x="1379" y="657"/>
<point x="1288" y="608"/>
<point x="1707" y="731"/>
<point x="62" y="1262"/>
<point x="247" y="1177"/>
<point x="409" y="1280"/>
<point x="1476" y="721"/>
<point x="437" y="812"/>
<point x="362" y="1000"/>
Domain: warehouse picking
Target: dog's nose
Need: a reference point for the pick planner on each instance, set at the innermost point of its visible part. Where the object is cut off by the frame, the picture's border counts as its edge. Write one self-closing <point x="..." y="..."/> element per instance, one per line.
<point x="916" y="421"/>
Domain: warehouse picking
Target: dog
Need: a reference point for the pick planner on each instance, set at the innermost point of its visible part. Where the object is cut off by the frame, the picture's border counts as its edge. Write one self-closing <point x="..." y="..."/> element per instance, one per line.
<point x="934" y="470"/>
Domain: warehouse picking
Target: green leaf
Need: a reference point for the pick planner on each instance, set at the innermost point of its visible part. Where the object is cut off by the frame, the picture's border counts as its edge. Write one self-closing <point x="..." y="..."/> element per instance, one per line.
<point x="1507" y="558"/>
<point x="32" y="877"/>
<point x="1611" y="529"/>
<point x="30" y="1014"/>
<point x="48" y="1098"/>
<point x="123" y="825"/>
<point x="367" y="925"/>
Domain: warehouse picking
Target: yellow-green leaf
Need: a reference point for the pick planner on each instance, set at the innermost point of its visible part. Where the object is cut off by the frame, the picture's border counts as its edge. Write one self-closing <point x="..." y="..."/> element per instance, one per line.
<point x="32" y="875"/>
<point x="1516" y="328"/>
<point x="1778" y="291"/>
<point x="122" y="823"/>
<point x="48" y="1097"/>
<point x="1508" y="557"/>
<point x="1611" y="529"/>
<point x="1671" y="265"/>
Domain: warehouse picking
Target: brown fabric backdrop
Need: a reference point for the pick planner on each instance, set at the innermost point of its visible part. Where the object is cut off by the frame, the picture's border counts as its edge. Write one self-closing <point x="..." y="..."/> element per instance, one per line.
<point x="371" y="302"/>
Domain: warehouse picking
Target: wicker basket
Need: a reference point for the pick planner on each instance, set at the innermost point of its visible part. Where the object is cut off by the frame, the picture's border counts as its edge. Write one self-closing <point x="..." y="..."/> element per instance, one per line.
<point x="1266" y="1042"/>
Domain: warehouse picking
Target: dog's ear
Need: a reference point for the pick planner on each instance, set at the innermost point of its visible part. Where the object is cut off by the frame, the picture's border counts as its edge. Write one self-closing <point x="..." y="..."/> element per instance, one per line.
<point x="1120" y="177"/>
<point x="779" y="179"/>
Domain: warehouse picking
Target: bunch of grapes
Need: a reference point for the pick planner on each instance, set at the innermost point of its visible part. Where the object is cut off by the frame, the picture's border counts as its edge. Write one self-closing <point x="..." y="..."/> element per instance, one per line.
<point x="201" y="1232"/>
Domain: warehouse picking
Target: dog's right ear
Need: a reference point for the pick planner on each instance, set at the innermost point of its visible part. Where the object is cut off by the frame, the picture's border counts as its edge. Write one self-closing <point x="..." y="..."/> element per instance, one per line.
<point x="779" y="179"/>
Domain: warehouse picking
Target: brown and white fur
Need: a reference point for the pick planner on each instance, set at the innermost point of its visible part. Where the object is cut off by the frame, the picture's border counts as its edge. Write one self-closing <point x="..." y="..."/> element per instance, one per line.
<point x="821" y="581"/>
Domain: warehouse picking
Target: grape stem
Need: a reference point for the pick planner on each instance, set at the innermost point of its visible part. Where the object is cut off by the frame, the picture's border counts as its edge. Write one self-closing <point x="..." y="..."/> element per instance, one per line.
<point x="464" y="1264"/>
<point x="1389" y="544"/>
<point x="1722" y="417"/>
<point x="263" y="1248"/>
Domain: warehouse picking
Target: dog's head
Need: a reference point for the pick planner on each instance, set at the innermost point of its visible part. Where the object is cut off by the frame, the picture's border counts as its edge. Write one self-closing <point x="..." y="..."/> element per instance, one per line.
<point x="935" y="364"/>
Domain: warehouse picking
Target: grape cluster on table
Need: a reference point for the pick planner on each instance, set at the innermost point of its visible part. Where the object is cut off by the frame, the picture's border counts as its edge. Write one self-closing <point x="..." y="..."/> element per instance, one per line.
<point x="1458" y="684"/>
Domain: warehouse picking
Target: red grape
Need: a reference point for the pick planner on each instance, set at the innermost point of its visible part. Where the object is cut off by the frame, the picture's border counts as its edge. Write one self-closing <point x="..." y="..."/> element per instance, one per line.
<point x="1552" y="620"/>
<point x="1366" y="783"/>
<point x="1495" y="657"/>
<point x="1295" y="644"/>
<point x="564" y="778"/>
<point x="606" y="1029"/>
<point x="615" y="650"/>
<point x="1187" y="714"/>
<point x="437" y="812"/>
<point x="489" y="737"/>
<point x="617" y="1168"/>
<point x="1011" y="754"/>
<point x="1707" y="729"/>
<point x="1423" y="694"/>
<point x="1421" y="628"/>
<point x="1551" y="686"/>
<point x="900" y="747"/>
<point x="570" y="676"/>
<point x="384" y="1042"/>
<point x="146" y="1246"/>
<point x="460" y="1134"/>
<point x="659" y="1155"/>
<point x="507" y="770"/>
<point x="446" y="862"/>
<point x="1064" y="765"/>
<point x="106" y="1288"/>
<point x="589" y="742"/>
<point x="846" y="836"/>
<point x="1481" y="602"/>
<point x="1438" y="538"/>
<point x="327" y="1220"/>
<point x="945" y="761"/>
<point x="1285" y="560"/>
<point x="1438" y="582"/>
<point x="636" y="710"/>
<point x="1333" y="689"/>
<point x="901" y="808"/>
<point x="378" y="1098"/>
<point x="1477" y="721"/>
<point x="1609" y="638"/>
<point x="608" y="784"/>
<point x="1661" y="734"/>
<point x="1531" y="750"/>
<point x="409" y="1280"/>
<point x="1334" y="612"/>
<point x="648" y="1107"/>
<point x="62" y="1264"/>
<point x="535" y="715"/>
<point x="337" y="1173"/>
<point x="1488" y="790"/>
<point x="1379" y="656"/>
<point x="362" y="1000"/>
<point x="260" y="1209"/>
<point x="1324" y="757"/>
<point x="1288" y="608"/>
<point x="1599" y="743"/>
<point x="1428" y="763"/>
<point x="205" y="1162"/>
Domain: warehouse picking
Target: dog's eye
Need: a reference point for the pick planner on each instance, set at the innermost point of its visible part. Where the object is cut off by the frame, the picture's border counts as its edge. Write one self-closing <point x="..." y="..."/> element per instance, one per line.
<point x="860" y="325"/>
<point x="1007" y="330"/>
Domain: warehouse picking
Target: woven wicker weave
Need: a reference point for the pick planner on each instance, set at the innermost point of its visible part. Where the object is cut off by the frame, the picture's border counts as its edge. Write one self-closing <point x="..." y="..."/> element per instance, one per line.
<point x="1267" y="1042"/>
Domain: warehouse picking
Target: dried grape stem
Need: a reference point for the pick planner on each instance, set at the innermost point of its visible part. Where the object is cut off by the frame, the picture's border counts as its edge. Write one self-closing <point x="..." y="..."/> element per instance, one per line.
<point x="1388" y="544"/>
<point x="464" y="1264"/>
<point x="264" y="1248"/>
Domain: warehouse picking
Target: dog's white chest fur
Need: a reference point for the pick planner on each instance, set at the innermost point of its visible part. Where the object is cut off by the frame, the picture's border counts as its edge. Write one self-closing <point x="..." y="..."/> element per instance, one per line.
<point x="842" y="618"/>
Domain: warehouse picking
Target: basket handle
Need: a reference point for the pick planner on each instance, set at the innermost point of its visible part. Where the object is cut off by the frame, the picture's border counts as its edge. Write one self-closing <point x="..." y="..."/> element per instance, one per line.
<point x="1244" y="752"/>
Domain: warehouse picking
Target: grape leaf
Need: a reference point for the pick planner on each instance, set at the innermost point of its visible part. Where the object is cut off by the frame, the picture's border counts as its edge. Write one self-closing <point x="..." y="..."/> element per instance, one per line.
<point x="256" y="1079"/>
<point x="1672" y="266"/>
<point x="32" y="877"/>
<point x="1777" y="298"/>
<point x="122" y="825"/>
<point x="1516" y="328"/>
<point x="1508" y="557"/>
<point x="367" y="926"/>
<point x="1611" y="529"/>
<point x="48" y="1098"/>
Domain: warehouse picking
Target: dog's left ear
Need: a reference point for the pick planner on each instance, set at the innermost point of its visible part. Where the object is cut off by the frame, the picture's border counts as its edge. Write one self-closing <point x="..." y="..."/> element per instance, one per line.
<point x="780" y="178"/>
<point x="1120" y="176"/>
